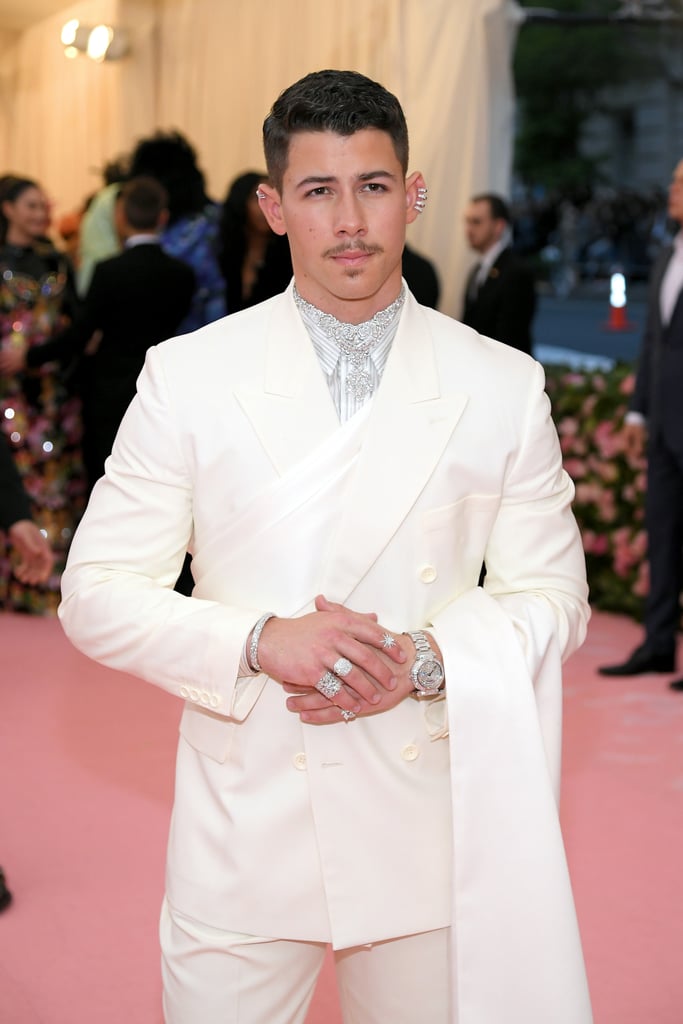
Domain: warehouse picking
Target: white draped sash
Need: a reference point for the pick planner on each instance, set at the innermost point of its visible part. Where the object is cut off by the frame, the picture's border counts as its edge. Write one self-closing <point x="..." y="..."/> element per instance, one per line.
<point x="273" y="551"/>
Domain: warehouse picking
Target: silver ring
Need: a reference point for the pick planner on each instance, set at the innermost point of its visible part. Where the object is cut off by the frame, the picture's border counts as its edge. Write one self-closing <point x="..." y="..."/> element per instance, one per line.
<point x="342" y="667"/>
<point x="348" y="716"/>
<point x="388" y="641"/>
<point x="329" y="686"/>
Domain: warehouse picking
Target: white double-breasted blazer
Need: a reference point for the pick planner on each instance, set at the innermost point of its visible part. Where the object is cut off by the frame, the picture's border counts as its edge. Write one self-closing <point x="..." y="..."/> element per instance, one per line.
<point x="434" y="813"/>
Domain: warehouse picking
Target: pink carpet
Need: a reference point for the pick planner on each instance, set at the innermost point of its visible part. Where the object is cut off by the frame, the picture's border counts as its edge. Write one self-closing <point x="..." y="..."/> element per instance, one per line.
<point x="86" y="778"/>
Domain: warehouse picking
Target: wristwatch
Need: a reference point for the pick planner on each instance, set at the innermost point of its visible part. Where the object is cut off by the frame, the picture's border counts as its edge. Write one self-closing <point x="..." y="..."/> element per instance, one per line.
<point x="427" y="672"/>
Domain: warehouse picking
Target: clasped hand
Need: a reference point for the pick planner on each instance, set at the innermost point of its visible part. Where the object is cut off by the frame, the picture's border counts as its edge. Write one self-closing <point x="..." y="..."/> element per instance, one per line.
<point x="298" y="652"/>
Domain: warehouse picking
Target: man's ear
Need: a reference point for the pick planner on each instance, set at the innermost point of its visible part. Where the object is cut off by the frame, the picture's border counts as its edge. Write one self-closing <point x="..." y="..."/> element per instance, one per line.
<point x="271" y="208"/>
<point x="501" y="226"/>
<point x="413" y="184"/>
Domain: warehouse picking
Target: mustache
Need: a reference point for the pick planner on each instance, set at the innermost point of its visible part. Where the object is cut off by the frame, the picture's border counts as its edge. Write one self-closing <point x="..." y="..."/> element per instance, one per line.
<point x="339" y="250"/>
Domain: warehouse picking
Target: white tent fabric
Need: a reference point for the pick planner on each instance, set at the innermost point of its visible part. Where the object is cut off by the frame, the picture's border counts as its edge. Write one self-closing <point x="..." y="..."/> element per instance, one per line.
<point x="211" y="70"/>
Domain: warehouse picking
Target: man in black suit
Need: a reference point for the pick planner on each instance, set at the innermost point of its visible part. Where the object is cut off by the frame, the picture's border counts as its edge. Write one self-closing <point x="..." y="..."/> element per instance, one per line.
<point x="136" y="299"/>
<point x="500" y="297"/>
<point x="656" y="414"/>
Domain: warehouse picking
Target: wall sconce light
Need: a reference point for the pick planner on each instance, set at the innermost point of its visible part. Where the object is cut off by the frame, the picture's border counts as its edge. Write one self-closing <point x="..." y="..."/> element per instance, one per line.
<point x="103" y="42"/>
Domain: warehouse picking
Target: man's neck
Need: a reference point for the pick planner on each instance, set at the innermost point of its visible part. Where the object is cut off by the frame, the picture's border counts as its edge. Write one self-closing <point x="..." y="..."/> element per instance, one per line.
<point x="495" y="248"/>
<point x="353" y="311"/>
<point x="140" y="238"/>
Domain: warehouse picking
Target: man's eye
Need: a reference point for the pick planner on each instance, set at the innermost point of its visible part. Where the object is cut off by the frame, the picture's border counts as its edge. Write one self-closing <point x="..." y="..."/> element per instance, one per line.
<point x="375" y="186"/>
<point x="321" y="190"/>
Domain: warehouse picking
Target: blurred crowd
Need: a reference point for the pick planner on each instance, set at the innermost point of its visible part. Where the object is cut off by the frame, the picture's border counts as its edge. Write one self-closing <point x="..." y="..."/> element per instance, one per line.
<point x="587" y="236"/>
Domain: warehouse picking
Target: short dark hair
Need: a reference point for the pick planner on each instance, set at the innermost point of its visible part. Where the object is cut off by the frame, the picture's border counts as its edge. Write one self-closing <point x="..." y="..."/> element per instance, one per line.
<point x="143" y="201"/>
<point x="11" y="187"/>
<point x="498" y="207"/>
<point x="169" y="157"/>
<point x="344" y="102"/>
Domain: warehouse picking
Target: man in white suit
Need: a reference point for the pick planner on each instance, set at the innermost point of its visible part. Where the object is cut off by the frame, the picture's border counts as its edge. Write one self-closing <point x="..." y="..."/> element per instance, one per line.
<point x="375" y="768"/>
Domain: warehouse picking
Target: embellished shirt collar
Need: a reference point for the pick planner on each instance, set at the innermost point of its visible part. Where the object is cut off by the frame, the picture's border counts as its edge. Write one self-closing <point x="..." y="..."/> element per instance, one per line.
<point x="352" y="356"/>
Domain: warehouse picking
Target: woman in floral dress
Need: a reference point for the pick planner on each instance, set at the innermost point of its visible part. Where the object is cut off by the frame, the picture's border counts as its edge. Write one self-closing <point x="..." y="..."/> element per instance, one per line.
<point x="38" y="415"/>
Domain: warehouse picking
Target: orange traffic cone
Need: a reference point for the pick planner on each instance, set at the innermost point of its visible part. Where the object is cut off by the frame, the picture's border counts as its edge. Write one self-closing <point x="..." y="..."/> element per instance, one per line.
<point x="618" y="320"/>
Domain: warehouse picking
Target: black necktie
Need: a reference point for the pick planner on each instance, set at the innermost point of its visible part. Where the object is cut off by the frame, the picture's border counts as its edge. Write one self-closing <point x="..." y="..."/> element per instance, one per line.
<point x="473" y="287"/>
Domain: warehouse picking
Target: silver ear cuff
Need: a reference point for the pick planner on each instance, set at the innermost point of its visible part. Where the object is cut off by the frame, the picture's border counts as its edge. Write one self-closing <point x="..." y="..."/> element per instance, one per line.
<point x="421" y="200"/>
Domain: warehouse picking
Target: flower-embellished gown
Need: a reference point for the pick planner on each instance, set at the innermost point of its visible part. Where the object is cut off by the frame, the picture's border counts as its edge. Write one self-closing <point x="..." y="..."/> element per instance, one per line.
<point x="38" y="415"/>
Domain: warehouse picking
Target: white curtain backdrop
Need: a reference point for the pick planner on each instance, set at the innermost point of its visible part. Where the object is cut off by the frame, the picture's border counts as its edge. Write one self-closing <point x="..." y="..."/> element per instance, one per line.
<point x="212" y="69"/>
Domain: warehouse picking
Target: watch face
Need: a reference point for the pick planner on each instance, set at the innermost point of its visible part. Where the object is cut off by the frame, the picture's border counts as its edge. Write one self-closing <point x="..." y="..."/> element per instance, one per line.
<point x="429" y="675"/>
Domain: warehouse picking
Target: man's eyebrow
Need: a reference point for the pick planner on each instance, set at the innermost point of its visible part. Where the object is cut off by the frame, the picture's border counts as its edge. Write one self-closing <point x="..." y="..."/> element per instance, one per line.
<point x="316" y="179"/>
<point x="327" y="179"/>
<point x="376" y="174"/>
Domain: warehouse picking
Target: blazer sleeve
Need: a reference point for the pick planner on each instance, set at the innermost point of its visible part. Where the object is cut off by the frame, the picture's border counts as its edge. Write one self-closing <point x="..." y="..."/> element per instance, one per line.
<point x="73" y="339"/>
<point x="640" y="399"/>
<point x="118" y="605"/>
<point x="532" y="611"/>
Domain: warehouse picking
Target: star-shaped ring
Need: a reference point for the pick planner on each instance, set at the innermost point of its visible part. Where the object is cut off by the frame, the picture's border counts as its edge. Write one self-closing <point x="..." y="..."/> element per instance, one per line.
<point x="388" y="641"/>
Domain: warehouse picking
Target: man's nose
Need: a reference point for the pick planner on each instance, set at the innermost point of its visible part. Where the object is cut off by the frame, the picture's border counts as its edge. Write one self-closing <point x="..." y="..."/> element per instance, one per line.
<point x="350" y="215"/>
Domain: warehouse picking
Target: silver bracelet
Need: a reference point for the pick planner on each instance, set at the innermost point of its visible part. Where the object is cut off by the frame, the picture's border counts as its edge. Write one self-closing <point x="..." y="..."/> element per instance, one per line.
<point x="255" y="637"/>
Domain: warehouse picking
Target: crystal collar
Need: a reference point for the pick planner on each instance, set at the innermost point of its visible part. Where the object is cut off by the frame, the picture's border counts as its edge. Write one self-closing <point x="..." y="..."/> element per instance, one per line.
<point x="355" y="340"/>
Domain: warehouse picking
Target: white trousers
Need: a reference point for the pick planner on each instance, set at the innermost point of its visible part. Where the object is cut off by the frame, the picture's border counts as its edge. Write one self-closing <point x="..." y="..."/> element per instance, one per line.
<point x="215" y="977"/>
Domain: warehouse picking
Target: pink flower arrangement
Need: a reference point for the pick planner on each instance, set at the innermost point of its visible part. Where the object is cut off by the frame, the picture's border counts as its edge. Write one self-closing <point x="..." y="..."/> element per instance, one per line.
<point x="589" y="409"/>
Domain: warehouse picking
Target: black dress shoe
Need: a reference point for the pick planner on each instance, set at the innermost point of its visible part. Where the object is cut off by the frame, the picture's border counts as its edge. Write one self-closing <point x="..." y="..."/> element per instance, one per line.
<point x="676" y="685"/>
<point x="640" y="662"/>
<point x="5" y="894"/>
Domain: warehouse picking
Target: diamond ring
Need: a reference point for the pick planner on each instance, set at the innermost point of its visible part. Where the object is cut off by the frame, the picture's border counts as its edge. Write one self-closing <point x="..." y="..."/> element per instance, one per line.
<point x="348" y="716"/>
<point x="388" y="641"/>
<point x="342" y="667"/>
<point x="329" y="686"/>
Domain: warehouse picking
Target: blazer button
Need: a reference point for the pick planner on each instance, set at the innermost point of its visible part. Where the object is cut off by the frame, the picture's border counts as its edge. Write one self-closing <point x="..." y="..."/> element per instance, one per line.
<point x="428" y="573"/>
<point x="184" y="692"/>
<point x="204" y="697"/>
<point x="410" y="752"/>
<point x="194" y="695"/>
<point x="299" y="761"/>
<point x="214" y="701"/>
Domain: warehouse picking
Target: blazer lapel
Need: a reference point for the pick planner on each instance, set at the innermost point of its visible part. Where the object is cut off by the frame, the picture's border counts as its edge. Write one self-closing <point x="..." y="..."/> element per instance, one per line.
<point x="655" y="288"/>
<point x="409" y="426"/>
<point x="294" y="412"/>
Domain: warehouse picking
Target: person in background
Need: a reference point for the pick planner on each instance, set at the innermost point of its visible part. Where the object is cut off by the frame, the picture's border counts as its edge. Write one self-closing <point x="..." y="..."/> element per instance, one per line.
<point x="38" y="415"/>
<point x="341" y="461"/>
<point x="421" y="277"/>
<point x="98" y="237"/>
<point x="254" y="261"/>
<point x="655" y="419"/>
<point x="33" y="557"/>
<point x="191" y="233"/>
<point x="500" y="295"/>
<point x="135" y="299"/>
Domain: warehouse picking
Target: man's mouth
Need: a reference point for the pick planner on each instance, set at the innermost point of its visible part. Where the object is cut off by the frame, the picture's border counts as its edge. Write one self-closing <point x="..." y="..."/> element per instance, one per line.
<point x="352" y="256"/>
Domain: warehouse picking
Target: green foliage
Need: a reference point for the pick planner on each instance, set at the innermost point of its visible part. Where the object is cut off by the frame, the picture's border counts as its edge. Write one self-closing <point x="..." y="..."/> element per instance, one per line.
<point x="560" y="71"/>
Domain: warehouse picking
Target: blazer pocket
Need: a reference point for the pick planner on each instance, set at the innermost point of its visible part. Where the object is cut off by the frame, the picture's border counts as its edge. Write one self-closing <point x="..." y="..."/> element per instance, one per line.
<point x="207" y="732"/>
<point x="454" y="538"/>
